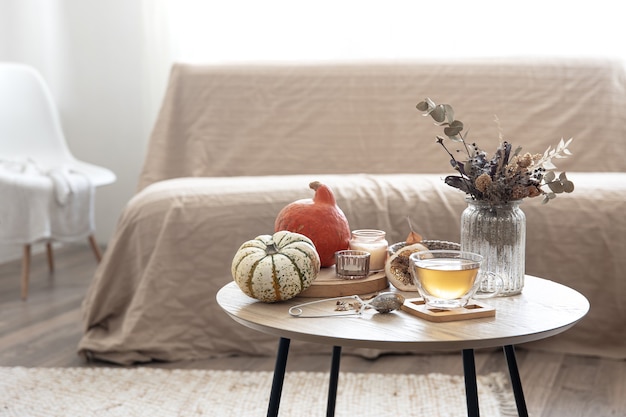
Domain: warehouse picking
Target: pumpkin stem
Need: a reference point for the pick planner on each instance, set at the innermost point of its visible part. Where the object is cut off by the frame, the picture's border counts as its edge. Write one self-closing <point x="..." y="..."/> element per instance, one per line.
<point x="271" y="248"/>
<point x="315" y="185"/>
<point x="323" y="193"/>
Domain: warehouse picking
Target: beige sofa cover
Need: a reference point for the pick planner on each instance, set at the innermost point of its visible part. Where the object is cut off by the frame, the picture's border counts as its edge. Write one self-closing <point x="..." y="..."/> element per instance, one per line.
<point x="234" y="144"/>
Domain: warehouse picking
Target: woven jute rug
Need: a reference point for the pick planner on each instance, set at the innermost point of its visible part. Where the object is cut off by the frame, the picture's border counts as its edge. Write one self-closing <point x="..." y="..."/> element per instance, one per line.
<point x="141" y="391"/>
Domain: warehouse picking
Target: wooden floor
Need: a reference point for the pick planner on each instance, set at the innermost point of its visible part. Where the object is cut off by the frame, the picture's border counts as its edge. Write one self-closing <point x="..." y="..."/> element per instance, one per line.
<point x="44" y="332"/>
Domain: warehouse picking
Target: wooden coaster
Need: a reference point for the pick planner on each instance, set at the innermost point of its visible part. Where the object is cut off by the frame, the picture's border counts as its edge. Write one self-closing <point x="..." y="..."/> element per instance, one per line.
<point x="474" y="310"/>
<point x="328" y="284"/>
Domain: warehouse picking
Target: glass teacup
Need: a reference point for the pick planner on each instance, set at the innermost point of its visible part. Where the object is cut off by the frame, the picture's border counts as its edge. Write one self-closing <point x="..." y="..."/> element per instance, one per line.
<point x="448" y="279"/>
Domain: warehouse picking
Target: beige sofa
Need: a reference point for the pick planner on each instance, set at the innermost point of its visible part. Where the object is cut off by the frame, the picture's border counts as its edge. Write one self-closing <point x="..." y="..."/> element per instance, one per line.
<point x="234" y="144"/>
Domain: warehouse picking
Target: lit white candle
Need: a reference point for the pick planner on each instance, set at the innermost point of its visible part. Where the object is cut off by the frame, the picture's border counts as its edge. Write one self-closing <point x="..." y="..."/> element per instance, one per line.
<point x="350" y="267"/>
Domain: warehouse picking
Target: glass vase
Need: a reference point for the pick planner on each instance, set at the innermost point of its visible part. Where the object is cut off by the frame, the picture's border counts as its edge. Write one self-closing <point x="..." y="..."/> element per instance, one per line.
<point x="497" y="232"/>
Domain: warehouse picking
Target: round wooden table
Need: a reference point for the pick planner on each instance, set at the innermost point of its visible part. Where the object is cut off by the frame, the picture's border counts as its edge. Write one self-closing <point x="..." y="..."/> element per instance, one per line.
<point x="543" y="309"/>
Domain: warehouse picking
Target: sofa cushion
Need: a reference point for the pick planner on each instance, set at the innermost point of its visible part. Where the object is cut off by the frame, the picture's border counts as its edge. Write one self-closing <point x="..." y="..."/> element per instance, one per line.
<point x="246" y="120"/>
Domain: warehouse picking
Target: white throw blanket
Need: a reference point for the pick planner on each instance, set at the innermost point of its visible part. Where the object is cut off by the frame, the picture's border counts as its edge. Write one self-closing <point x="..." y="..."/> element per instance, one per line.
<point x="36" y="204"/>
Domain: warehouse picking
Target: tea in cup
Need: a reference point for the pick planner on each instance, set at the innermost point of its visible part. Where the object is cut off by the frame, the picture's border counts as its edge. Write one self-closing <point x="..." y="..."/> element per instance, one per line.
<point x="447" y="279"/>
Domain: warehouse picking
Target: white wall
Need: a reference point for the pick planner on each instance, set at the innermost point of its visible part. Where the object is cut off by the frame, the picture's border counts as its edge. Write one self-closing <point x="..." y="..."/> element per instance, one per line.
<point x="92" y="53"/>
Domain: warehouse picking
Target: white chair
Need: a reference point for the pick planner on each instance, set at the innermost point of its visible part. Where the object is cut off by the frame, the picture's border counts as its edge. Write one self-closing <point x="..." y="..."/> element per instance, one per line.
<point x="30" y="130"/>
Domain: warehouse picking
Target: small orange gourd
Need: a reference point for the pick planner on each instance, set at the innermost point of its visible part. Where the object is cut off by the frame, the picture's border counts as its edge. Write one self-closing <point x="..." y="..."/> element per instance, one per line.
<point x="320" y="219"/>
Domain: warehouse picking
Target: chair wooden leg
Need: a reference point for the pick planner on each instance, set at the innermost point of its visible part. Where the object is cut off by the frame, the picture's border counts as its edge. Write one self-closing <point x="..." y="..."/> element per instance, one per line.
<point x="95" y="248"/>
<point x="25" y="271"/>
<point x="26" y="262"/>
<point x="50" y="256"/>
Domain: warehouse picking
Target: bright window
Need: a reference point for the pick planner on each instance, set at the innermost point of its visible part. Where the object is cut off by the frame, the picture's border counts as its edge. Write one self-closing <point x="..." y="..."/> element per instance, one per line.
<point x="284" y="30"/>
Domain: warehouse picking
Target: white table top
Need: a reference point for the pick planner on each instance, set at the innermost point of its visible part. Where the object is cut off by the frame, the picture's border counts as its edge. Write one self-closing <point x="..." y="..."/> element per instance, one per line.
<point x="545" y="308"/>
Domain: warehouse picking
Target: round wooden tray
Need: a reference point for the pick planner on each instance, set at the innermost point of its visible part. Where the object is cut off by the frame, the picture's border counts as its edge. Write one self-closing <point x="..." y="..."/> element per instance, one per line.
<point x="327" y="284"/>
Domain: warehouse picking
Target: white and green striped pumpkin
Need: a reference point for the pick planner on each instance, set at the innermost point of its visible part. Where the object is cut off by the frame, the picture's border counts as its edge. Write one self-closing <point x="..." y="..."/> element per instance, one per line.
<point x="276" y="267"/>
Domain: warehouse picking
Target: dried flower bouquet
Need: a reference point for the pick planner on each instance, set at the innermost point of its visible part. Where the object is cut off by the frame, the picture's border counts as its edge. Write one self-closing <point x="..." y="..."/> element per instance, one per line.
<point x="507" y="175"/>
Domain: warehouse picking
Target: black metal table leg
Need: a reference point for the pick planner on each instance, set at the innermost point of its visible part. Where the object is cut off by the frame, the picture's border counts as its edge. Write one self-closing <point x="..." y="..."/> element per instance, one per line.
<point x="516" y="382"/>
<point x="279" y="377"/>
<point x="334" y="381"/>
<point x="471" y="388"/>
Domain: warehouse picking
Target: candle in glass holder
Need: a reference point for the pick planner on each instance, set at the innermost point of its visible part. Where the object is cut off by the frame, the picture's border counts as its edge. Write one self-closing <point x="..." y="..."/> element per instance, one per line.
<point x="352" y="264"/>
<point x="374" y="242"/>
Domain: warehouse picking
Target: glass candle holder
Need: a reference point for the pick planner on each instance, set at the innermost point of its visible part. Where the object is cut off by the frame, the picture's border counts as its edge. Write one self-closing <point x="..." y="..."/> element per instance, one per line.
<point x="352" y="264"/>
<point x="373" y="242"/>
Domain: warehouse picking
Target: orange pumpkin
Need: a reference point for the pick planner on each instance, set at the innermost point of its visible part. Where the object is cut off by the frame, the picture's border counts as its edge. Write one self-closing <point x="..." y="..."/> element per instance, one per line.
<point x="320" y="219"/>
